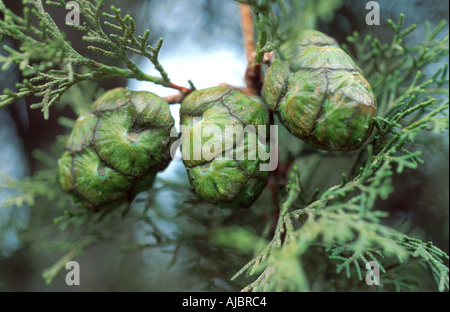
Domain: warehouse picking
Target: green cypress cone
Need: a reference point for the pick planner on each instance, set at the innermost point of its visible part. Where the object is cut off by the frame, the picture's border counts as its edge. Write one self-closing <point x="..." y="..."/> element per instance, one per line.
<point x="227" y="182"/>
<point x="116" y="151"/>
<point x="320" y="94"/>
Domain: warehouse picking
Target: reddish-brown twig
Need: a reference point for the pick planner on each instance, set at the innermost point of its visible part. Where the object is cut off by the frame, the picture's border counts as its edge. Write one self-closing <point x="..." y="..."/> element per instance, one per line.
<point x="179" y="97"/>
<point x="253" y="77"/>
<point x="248" y="30"/>
<point x="175" y="98"/>
<point x="181" y="89"/>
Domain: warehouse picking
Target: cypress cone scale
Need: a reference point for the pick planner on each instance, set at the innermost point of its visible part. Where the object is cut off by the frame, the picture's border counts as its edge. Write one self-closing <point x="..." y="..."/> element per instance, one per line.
<point x="227" y="182"/>
<point x="320" y="94"/>
<point x="116" y="151"/>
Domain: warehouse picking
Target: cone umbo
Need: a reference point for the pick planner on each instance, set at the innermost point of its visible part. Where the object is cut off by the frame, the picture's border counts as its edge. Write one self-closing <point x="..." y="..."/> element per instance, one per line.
<point x="320" y="94"/>
<point x="115" y="152"/>
<point x="224" y="168"/>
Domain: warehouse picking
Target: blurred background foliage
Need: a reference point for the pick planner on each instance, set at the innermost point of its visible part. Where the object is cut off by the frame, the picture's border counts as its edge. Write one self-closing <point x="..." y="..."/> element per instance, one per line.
<point x="169" y="241"/>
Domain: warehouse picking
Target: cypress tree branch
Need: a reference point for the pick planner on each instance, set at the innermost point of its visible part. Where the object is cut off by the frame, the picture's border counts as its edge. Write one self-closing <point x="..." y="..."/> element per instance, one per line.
<point x="51" y="65"/>
<point x="343" y="218"/>
<point x="341" y="223"/>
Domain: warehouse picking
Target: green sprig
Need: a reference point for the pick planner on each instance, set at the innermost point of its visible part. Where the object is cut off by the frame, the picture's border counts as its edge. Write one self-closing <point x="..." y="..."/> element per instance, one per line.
<point x="51" y="65"/>
<point x="344" y="218"/>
